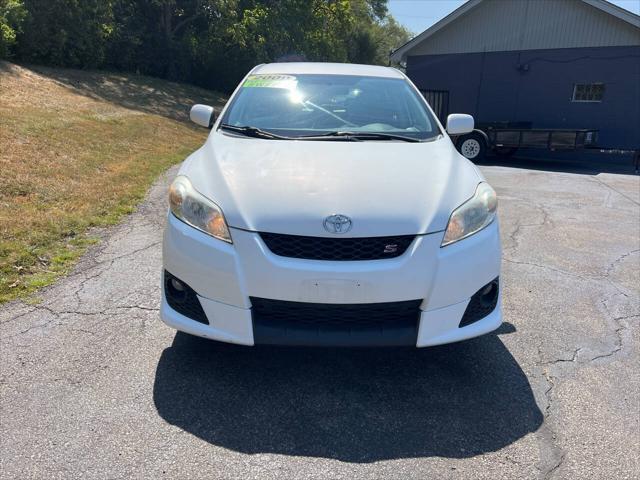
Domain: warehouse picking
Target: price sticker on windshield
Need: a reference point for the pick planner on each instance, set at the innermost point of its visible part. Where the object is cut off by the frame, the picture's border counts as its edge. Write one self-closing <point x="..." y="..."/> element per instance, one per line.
<point x="288" y="82"/>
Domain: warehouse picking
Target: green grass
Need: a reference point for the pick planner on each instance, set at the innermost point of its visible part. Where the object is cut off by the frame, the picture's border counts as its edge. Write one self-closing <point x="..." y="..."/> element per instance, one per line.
<point x="79" y="157"/>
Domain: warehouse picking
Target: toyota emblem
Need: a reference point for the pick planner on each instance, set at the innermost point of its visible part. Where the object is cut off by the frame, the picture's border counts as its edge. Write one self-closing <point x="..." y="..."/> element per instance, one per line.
<point x="337" y="223"/>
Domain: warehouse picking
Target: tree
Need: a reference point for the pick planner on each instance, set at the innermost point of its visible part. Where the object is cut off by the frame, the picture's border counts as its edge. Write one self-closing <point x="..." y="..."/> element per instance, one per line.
<point x="70" y="33"/>
<point x="212" y="43"/>
<point x="12" y="14"/>
<point x="160" y="37"/>
<point x="389" y="35"/>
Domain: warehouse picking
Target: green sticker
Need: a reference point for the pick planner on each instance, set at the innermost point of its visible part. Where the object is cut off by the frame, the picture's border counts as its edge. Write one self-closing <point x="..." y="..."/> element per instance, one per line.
<point x="271" y="81"/>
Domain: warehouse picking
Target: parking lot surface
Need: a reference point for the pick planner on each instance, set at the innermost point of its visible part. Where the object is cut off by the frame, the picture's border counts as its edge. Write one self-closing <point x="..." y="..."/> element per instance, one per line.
<point x="92" y="384"/>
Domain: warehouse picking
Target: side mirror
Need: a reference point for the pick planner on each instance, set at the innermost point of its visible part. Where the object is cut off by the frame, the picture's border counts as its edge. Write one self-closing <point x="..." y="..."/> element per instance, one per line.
<point x="202" y="115"/>
<point x="459" y="123"/>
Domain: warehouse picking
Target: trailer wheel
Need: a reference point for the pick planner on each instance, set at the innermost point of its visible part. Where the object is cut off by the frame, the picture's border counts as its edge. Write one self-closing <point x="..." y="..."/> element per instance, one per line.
<point x="472" y="147"/>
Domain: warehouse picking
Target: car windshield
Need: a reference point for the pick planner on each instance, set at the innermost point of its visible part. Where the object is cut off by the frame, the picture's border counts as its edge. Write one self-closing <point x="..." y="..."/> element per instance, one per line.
<point x="310" y="105"/>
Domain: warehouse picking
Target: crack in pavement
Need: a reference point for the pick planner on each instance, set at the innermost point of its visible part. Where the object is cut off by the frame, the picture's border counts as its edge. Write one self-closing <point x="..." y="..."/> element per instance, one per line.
<point x="549" y="473"/>
<point x="573" y="358"/>
<point x="118" y="321"/>
<point x="79" y="288"/>
<point x="514" y="235"/>
<point x="553" y="452"/>
<point x="612" y="265"/>
<point x="553" y="269"/>
<point x="547" y="434"/>
<point x="139" y="307"/>
<point x="593" y="278"/>
<point x="614" y="189"/>
<point x="551" y="448"/>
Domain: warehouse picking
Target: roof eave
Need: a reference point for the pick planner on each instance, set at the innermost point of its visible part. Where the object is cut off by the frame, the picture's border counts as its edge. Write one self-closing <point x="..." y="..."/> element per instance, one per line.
<point x="616" y="11"/>
<point x="400" y="54"/>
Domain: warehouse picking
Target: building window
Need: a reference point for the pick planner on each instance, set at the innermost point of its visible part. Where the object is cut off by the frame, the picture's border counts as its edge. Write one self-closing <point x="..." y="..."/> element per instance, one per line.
<point x="588" y="92"/>
<point x="439" y="102"/>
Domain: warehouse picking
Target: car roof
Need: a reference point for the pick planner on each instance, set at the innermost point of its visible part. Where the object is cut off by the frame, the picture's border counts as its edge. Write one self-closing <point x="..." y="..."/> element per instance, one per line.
<point x="294" y="68"/>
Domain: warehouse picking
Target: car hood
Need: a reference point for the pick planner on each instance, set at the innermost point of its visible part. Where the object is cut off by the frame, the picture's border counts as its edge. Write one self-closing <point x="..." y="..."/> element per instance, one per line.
<point x="281" y="186"/>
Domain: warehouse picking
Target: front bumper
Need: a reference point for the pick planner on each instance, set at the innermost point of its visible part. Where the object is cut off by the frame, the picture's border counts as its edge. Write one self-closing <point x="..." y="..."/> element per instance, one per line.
<point x="225" y="276"/>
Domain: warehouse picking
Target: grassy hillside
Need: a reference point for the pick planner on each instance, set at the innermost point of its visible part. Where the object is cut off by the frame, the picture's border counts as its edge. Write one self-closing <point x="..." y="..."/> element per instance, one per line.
<point x="79" y="149"/>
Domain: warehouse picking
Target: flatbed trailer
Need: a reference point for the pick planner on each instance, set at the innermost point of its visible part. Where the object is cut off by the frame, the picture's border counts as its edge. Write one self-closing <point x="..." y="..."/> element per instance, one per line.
<point x="505" y="141"/>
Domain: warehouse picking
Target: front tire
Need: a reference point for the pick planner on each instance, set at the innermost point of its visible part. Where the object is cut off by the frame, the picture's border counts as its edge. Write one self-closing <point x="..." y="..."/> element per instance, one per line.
<point x="472" y="146"/>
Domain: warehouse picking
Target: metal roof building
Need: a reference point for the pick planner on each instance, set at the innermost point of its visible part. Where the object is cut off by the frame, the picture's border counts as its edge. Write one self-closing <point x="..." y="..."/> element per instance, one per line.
<point x="545" y="63"/>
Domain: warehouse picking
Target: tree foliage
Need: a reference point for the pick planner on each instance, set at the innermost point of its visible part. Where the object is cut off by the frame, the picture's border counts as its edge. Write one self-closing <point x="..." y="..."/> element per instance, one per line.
<point x="208" y="42"/>
<point x="71" y="33"/>
<point x="12" y="13"/>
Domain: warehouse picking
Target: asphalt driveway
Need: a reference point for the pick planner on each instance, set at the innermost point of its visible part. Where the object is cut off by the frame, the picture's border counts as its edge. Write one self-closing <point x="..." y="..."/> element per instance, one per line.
<point x="92" y="384"/>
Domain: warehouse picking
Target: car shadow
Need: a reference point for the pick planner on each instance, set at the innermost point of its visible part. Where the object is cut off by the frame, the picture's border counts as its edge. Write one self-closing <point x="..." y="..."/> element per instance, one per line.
<point x="353" y="405"/>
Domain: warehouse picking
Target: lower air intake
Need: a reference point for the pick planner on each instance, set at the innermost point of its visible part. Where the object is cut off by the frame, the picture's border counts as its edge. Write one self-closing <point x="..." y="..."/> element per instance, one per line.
<point x="319" y="324"/>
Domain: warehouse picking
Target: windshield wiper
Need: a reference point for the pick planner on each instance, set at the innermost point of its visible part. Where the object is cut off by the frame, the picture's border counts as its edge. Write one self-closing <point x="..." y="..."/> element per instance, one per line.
<point x="252" y="132"/>
<point x="256" y="132"/>
<point x="361" y="136"/>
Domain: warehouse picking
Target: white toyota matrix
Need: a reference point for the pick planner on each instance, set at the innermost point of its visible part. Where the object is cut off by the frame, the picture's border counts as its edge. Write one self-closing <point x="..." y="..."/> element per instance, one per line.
<point x="329" y="207"/>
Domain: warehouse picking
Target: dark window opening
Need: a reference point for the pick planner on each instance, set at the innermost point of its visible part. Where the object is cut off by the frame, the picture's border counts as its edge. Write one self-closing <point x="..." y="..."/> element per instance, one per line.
<point x="588" y="92"/>
<point x="439" y="102"/>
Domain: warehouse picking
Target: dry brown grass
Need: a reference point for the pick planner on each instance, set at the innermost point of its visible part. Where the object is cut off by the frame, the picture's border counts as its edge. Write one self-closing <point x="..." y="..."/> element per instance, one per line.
<point x="79" y="149"/>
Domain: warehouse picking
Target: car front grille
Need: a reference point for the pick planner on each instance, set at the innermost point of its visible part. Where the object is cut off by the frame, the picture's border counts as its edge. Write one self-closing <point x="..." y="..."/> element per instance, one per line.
<point x="336" y="249"/>
<point x="301" y="323"/>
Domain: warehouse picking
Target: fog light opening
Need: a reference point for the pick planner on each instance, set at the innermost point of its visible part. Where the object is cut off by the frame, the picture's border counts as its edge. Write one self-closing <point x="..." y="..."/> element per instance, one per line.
<point x="489" y="293"/>
<point x="177" y="284"/>
<point x="482" y="303"/>
<point x="177" y="290"/>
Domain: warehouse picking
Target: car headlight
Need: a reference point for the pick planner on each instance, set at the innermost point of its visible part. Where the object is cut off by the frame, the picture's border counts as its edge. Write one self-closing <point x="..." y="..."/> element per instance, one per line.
<point x="196" y="210"/>
<point x="472" y="216"/>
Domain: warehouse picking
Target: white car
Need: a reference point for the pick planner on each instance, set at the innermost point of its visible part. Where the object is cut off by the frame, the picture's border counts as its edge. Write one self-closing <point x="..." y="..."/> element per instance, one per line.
<point x="328" y="207"/>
